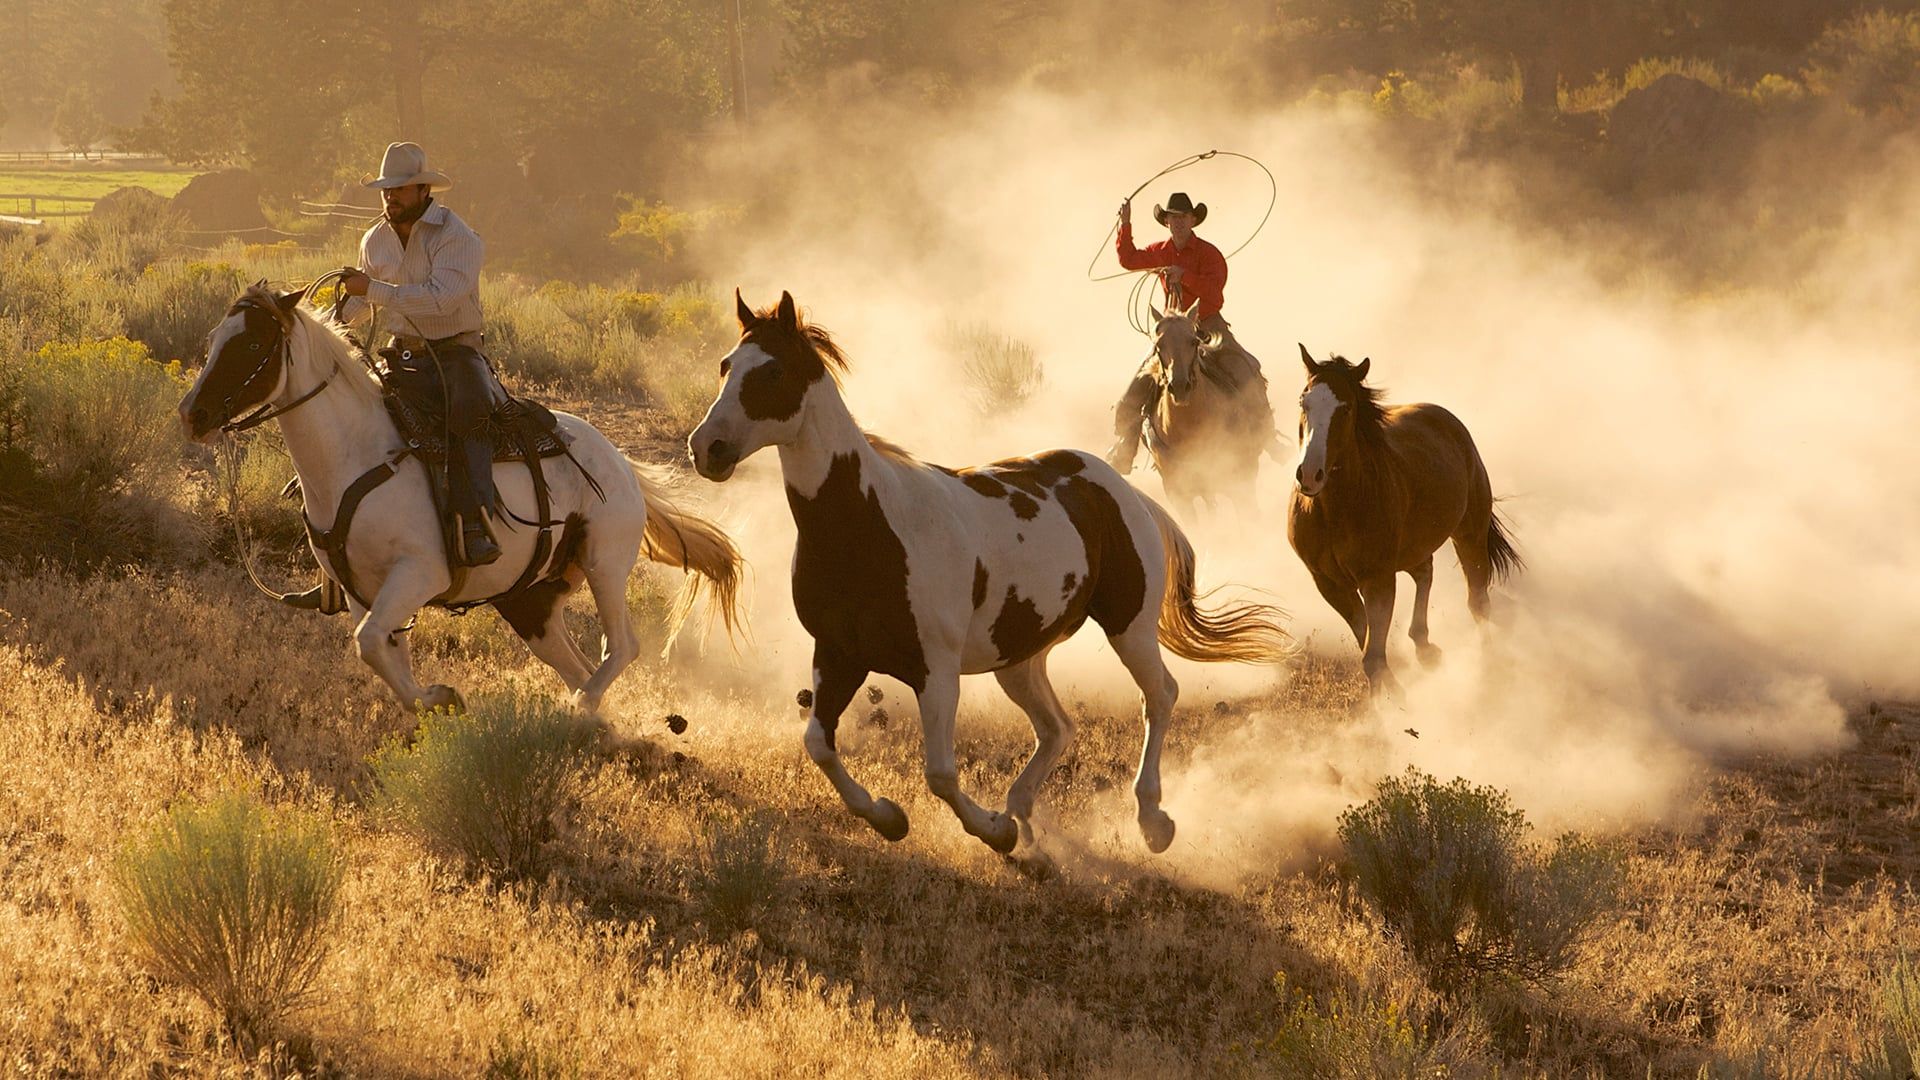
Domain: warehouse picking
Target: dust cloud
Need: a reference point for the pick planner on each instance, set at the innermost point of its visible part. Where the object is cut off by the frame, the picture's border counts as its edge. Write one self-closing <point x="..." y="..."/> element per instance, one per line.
<point x="1716" y="495"/>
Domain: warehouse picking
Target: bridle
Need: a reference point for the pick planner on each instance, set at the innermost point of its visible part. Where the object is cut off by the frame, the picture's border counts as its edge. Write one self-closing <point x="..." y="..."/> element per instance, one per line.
<point x="283" y="352"/>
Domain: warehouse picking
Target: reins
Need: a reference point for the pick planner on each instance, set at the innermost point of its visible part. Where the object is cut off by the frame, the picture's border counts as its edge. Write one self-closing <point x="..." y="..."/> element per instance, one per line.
<point x="1143" y="277"/>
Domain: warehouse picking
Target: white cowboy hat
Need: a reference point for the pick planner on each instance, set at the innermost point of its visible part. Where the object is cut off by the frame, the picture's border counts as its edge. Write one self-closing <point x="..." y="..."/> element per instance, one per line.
<point x="405" y="163"/>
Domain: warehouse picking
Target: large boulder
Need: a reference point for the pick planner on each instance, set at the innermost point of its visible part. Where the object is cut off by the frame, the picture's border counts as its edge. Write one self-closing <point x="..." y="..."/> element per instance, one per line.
<point x="1674" y="133"/>
<point x="223" y="201"/>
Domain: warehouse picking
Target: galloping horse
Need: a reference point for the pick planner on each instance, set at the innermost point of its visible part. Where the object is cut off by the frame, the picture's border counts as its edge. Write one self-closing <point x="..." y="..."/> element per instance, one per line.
<point x="1376" y="491"/>
<point x="272" y="355"/>
<point x="925" y="574"/>
<point x="1198" y="434"/>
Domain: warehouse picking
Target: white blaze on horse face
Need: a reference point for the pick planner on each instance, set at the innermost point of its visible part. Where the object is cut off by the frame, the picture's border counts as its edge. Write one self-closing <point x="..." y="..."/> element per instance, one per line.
<point x="727" y="435"/>
<point x="1317" y="407"/>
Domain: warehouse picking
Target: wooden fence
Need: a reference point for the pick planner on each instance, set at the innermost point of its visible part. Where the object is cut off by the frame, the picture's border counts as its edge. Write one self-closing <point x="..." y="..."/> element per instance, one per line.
<point x="45" y="206"/>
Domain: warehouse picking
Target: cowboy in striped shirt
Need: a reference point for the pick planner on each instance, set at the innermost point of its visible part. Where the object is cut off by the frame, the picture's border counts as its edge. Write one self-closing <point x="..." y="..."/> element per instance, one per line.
<point x="420" y="265"/>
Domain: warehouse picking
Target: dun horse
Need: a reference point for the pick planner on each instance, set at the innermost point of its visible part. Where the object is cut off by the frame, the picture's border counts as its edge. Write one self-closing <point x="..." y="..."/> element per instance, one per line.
<point x="926" y="574"/>
<point x="273" y="354"/>
<point x="1198" y="435"/>
<point x="1377" y="490"/>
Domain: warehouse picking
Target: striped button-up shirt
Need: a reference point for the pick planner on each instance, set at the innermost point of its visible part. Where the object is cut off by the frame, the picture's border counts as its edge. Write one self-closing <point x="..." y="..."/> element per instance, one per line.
<point x="430" y="287"/>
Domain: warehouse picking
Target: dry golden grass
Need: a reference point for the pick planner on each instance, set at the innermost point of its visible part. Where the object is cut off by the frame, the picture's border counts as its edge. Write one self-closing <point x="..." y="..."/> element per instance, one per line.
<point x="1752" y="940"/>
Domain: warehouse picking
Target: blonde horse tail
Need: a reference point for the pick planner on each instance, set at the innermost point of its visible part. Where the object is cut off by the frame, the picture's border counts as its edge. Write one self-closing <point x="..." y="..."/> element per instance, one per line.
<point x="1501" y="553"/>
<point x="1245" y="633"/>
<point x="690" y="542"/>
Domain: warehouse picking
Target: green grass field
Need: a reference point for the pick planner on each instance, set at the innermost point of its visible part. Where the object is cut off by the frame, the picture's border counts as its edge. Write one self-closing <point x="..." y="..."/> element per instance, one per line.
<point x="81" y="184"/>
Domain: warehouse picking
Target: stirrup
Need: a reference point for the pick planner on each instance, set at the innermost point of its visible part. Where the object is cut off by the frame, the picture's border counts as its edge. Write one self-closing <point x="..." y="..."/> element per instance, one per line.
<point x="477" y="547"/>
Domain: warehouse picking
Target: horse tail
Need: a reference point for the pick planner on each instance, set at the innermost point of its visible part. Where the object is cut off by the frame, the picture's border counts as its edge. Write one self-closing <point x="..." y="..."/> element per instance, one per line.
<point x="1501" y="553"/>
<point x="690" y="542"/>
<point x="1246" y="632"/>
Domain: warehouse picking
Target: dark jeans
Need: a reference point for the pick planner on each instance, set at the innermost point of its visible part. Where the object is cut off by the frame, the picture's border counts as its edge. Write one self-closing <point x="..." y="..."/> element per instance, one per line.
<point x="470" y="392"/>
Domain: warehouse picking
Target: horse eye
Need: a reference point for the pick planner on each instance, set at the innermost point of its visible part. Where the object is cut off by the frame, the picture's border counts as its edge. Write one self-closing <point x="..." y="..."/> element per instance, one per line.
<point x="255" y="346"/>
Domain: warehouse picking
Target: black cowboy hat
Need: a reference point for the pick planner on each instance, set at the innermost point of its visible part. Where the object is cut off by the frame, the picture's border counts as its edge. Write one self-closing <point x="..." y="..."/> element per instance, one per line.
<point x="1178" y="203"/>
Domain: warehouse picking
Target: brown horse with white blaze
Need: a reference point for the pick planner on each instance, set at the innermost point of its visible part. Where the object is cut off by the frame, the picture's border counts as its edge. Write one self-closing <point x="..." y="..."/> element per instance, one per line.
<point x="1377" y="490"/>
<point x="925" y="574"/>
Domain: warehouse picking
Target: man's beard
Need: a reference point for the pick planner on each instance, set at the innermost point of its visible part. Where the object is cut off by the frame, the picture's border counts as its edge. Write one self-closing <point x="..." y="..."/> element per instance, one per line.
<point x="408" y="217"/>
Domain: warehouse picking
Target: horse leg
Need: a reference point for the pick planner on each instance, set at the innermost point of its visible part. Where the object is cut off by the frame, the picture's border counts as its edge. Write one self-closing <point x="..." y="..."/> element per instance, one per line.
<point x="1477" y="566"/>
<point x="539" y="616"/>
<point x="1139" y="649"/>
<point x="1378" y="594"/>
<point x="834" y="684"/>
<point x="408" y="587"/>
<point x="1027" y="685"/>
<point x="1422" y="575"/>
<point x="1347" y="603"/>
<point x="939" y="703"/>
<point x="609" y="562"/>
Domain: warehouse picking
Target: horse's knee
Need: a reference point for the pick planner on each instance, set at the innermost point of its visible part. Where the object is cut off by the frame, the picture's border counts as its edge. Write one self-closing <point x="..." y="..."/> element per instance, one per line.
<point x="370" y="641"/>
<point x="819" y="743"/>
<point x="944" y="785"/>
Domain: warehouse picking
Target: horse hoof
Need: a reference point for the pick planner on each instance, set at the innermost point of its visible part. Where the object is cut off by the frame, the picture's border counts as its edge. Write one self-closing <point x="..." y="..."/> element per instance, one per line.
<point x="1429" y="655"/>
<point x="888" y="819"/>
<point x="1001" y="834"/>
<point x="1157" y="827"/>
<point x="442" y="696"/>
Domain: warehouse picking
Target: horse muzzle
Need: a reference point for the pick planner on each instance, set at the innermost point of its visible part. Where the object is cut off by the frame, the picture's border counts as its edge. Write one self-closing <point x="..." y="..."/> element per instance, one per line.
<point x="1310" y="481"/>
<point x="195" y="423"/>
<point x="718" y="460"/>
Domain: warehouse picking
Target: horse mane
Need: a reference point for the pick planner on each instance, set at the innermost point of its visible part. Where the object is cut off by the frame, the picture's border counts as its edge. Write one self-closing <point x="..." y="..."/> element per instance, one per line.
<point x="1368" y="414"/>
<point x="261" y="292"/>
<point x="815" y="338"/>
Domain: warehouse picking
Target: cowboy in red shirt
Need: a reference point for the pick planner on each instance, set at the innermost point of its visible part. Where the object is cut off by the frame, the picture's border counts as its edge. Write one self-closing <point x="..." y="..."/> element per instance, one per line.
<point x="1191" y="270"/>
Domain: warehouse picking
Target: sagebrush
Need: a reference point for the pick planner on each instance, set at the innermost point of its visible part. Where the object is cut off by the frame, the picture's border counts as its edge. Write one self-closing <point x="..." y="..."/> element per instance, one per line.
<point x="1451" y="871"/>
<point x="234" y="900"/>
<point x="486" y="784"/>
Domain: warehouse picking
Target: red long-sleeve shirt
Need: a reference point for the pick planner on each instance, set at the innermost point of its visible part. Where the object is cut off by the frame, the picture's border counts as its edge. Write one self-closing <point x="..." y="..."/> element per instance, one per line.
<point x="1203" y="269"/>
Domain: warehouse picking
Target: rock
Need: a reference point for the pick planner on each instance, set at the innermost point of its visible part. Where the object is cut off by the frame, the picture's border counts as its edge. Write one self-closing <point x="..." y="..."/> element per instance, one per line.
<point x="224" y="201"/>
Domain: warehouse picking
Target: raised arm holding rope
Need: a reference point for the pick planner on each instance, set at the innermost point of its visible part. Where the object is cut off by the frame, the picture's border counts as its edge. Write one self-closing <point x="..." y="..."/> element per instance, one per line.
<point x="1193" y="274"/>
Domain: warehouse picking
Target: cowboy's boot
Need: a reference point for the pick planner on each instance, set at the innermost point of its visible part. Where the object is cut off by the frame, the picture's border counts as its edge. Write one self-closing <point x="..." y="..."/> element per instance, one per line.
<point x="468" y="478"/>
<point x="326" y="598"/>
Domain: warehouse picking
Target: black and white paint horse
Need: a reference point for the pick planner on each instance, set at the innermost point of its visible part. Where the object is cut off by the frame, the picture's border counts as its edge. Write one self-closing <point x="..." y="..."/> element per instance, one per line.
<point x="926" y="574"/>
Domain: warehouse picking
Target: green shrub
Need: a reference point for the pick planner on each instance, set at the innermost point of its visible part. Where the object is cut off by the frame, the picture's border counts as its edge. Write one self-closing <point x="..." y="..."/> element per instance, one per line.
<point x="1899" y="1051"/>
<point x="1353" y="1036"/>
<point x="1001" y="371"/>
<point x="174" y="304"/>
<point x="123" y="239"/>
<point x="1871" y="61"/>
<point x="739" y="868"/>
<point x="260" y="465"/>
<point x="99" y="417"/>
<point x="1449" y="869"/>
<point x="1645" y="73"/>
<point x="486" y="785"/>
<point x="233" y="899"/>
<point x="47" y="301"/>
<point x="533" y="338"/>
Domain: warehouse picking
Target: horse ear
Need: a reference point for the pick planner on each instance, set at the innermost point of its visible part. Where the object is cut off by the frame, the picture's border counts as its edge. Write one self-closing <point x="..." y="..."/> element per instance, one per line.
<point x="741" y="310"/>
<point x="789" y="316"/>
<point x="289" y="300"/>
<point x="1192" y="309"/>
<point x="1307" y="359"/>
<point x="1157" y="313"/>
<point x="1360" y="370"/>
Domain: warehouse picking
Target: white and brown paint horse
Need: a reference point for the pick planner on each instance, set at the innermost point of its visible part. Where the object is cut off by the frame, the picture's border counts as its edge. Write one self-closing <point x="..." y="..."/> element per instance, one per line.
<point x="1198" y="434"/>
<point x="270" y="353"/>
<point x="1376" y="491"/>
<point x="926" y="574"/>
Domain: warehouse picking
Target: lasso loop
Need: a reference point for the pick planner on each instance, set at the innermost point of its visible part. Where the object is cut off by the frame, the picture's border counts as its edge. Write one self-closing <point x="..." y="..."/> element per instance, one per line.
<point x="1144" y="277"/>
